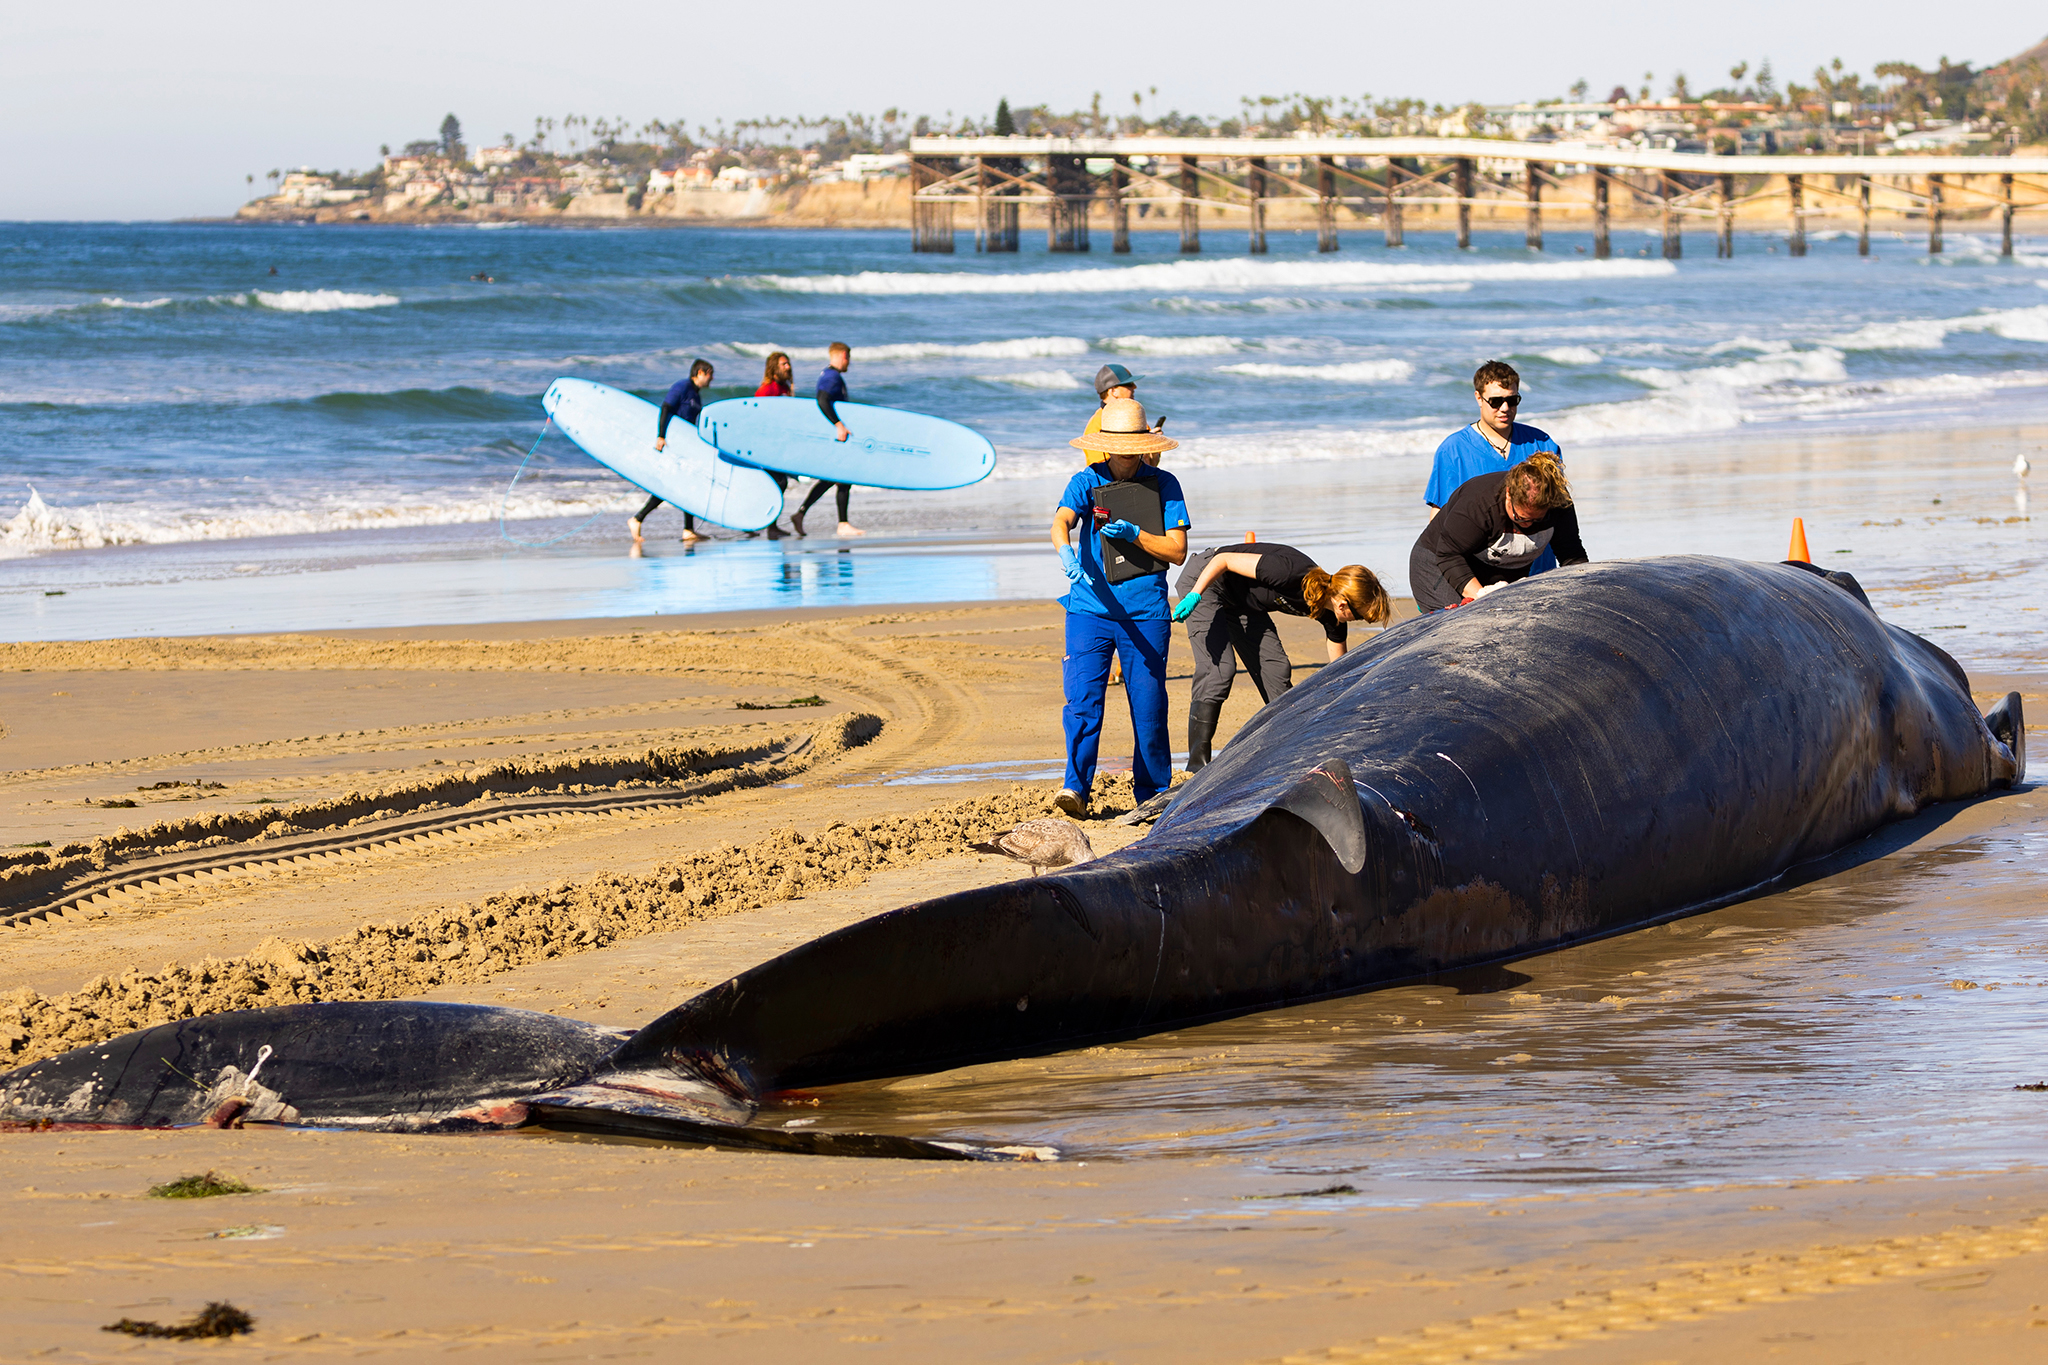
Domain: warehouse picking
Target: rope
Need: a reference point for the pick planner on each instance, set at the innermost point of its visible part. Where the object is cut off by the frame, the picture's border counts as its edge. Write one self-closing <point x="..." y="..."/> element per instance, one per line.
<point x="536" y="544"/>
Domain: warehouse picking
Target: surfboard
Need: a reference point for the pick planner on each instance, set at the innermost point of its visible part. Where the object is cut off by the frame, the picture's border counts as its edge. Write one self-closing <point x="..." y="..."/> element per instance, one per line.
<point x="889" y="447"/>
<point x="616" y="429"/>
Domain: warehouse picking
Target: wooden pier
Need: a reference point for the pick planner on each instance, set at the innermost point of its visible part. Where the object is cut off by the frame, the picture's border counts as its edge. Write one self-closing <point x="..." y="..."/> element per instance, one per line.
<point x="1377" y="178"/>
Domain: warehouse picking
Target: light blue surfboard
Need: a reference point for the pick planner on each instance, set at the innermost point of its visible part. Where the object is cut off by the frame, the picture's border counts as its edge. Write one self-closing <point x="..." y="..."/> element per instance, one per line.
<point x="889" y="448"/>
<point x="616" y="429"/>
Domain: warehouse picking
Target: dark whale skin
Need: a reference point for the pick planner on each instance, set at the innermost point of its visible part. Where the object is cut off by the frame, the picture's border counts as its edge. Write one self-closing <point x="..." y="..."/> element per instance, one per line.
<point x="415" y="1065"/>
<point x="1586" y="752"/>
<point x="1589" y="751"/>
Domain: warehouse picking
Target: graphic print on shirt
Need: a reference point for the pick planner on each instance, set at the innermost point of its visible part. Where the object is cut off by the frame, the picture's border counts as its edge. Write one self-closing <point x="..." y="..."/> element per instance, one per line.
<point x="1513" y="548"/>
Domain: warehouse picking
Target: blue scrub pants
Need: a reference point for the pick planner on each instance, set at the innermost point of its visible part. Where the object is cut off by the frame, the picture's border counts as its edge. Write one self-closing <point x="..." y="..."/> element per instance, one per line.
<point x="1142" y="646"/>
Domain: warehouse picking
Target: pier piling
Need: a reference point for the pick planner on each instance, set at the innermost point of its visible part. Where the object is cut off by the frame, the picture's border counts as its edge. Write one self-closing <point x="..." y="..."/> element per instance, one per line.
<point x="1390" y="216"/>
<point x="931" y="221"/>
<point x="1066" y="221"/>
<point x="1934" y="215"/>
<point x="1532" y="236"/>
<point x="1462" y="179"/>
<point x="1602" y="248"/>
<point x="1795" y="190"/>
<point x="1862" y="215"/>
<point x="1667" y="191"/>
<point x="1119" y="211"/>
<point x="1326" y="204"/>
<point x="1255" y="186"/>
<point x="1190" y="208"/>
<point x="1724" y="240"/>
<point x="2005" y="215"/>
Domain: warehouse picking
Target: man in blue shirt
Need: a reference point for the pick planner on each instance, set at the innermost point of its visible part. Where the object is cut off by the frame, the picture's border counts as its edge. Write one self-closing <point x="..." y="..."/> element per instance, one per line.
<point x="1493" y="444"/>
<point x="1129" y="619"/>
<point x="685" y="399"/>
<point x="831" y="393"/>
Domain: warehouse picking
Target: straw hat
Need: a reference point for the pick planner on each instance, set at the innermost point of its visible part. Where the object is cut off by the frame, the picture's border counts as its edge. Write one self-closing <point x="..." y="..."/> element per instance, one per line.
<point x="1124" y="431"/>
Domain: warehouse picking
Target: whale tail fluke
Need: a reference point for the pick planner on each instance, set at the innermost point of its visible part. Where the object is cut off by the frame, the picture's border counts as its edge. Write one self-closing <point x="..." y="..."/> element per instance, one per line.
<point x="2008" y="725"/>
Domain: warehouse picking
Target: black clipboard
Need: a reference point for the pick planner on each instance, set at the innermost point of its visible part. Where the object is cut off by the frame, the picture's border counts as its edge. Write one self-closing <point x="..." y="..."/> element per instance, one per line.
<point x="1138" y="502"/>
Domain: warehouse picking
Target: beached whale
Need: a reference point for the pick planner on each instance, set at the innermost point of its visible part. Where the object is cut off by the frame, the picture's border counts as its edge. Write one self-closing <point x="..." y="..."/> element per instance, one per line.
<point x="1584" y="753"/>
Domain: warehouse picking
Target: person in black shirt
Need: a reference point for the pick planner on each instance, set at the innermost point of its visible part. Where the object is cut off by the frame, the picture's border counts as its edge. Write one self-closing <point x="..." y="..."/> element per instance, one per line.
<point x="1228" y="596"/>
<point x="1491" y="530"/>
<point x="685" y="399"/>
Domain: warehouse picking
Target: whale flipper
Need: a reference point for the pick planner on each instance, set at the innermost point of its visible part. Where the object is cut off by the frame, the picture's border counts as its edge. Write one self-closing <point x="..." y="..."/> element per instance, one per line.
<point x="1326" y="800"/>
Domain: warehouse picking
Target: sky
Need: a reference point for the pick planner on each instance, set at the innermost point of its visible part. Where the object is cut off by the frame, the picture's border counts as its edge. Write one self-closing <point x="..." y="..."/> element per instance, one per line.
<point x="120" y="110"/>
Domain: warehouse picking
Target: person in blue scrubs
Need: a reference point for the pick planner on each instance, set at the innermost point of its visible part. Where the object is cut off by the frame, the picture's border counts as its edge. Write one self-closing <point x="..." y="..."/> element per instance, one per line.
<point x="1129" y="620"/>
<point x="1492" y="445"/>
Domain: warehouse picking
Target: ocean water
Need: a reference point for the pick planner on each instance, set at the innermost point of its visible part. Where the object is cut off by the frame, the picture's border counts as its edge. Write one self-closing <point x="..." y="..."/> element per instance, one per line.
<point x="177" y="415"/>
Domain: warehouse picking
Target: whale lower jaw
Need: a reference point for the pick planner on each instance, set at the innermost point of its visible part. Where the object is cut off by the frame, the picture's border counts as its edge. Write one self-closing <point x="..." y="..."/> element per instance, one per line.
<point x="669" y="1104"/>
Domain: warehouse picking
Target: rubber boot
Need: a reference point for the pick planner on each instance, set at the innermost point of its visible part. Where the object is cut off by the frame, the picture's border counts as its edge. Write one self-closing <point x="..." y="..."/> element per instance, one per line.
<point x="1202" y="718"/>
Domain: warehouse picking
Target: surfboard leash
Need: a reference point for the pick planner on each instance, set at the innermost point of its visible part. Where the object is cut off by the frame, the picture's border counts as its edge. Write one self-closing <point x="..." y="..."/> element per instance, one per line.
<point x="502" y="502"/>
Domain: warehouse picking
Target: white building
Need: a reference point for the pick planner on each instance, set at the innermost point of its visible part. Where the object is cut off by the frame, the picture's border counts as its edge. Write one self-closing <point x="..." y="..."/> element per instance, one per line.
<point x="488" y="157"/>
<point x="1947" y="137"/>
<point x="867" y="165"/>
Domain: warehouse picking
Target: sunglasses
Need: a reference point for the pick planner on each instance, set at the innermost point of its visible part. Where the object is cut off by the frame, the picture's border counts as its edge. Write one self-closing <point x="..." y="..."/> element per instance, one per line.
<point x="1504" y="401"/>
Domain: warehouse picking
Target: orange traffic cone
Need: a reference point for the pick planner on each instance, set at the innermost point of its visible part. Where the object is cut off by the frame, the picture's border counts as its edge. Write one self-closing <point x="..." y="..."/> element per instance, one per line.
<point x="1251" y="537"/>
<point x="1798" y="551"/>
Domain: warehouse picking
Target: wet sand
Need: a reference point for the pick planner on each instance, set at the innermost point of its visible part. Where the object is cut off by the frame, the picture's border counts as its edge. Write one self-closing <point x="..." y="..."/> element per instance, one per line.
<point x="1785" y="1129"/>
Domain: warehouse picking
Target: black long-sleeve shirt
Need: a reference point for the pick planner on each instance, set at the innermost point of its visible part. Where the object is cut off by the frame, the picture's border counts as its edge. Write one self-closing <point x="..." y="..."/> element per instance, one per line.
<point x="1472" y="537"/>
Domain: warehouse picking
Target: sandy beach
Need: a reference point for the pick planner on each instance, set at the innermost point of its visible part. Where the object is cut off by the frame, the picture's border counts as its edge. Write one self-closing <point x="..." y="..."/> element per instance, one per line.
<point x="581" y="818"/>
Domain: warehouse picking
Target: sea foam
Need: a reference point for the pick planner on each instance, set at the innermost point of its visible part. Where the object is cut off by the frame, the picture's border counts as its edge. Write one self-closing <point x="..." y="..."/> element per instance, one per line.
<point x="318" y="300"/>
<point x="39" y="527"/>
<point x="1179" y="277"/>
<point x="1927" y="334"/>
<point x="1014" y="348"/>
<point x="1353" y="372"/>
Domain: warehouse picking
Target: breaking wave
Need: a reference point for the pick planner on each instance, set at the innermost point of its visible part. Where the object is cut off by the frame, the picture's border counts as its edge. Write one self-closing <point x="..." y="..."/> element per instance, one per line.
<point x="318" y="300"/>
<point x="1186" y="276"/>
<point x="1017" y="348"/>
<point x="1034" y="379"/>
<point x="1928" y="334"/>
<point x="1354" y="372"/>
<point x="39" y="527"/>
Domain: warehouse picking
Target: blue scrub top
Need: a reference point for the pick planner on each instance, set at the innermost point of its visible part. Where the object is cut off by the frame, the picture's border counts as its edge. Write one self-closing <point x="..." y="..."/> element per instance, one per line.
<point x="1137" y="599"/>
<point x="1465" y="454"/>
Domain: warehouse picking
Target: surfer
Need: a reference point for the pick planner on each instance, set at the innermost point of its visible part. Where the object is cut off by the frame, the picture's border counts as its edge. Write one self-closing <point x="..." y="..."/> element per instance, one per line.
<point x="1491" y="532"/>
<point x="778" y="377"/>
<point x="1127" y="618"/>
<point x="1228" y="596"/>
<point x="685" y="399"/>
<point x="1493" y="443"/>
<point x="831" y="393"/>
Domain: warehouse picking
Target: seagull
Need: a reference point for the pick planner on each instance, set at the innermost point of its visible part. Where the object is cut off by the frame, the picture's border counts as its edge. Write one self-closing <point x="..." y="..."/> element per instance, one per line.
<point x="1042" y="844"/>
<point x="2020" y="465"/>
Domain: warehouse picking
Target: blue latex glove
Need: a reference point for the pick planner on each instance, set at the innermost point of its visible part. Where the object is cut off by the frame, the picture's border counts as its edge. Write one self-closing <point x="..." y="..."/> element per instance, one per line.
<point x="1186" y="606"/>
<point x="1121" y="530"/>
<point x="1070" y="564"/>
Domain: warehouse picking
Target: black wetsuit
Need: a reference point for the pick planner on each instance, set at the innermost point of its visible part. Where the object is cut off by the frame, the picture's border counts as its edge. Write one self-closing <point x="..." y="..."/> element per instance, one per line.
<point x="831" y="393"/>
<point x="684" y="400"/>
